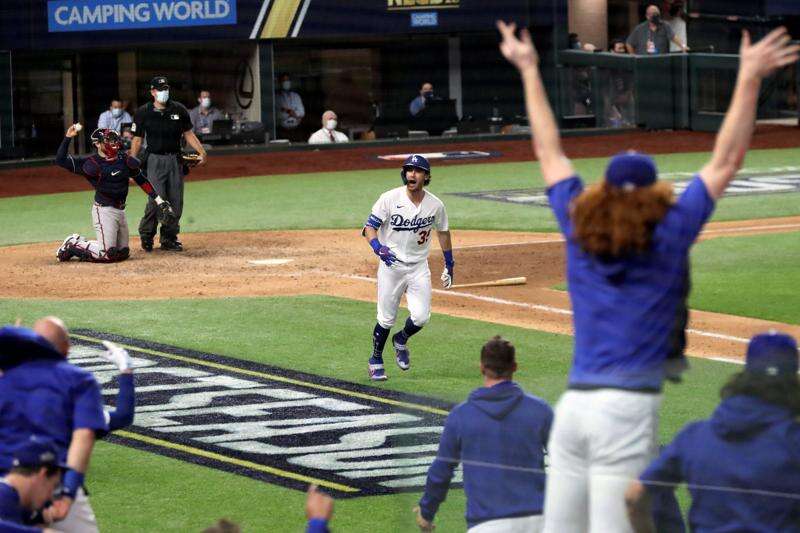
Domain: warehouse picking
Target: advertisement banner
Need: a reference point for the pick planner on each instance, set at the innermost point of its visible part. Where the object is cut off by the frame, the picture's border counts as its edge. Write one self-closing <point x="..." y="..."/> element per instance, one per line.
<point x="96" y="15"/>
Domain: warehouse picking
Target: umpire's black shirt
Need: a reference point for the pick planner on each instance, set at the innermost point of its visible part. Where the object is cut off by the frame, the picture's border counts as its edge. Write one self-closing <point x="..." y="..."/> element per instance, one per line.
<point x="163" y="127"/>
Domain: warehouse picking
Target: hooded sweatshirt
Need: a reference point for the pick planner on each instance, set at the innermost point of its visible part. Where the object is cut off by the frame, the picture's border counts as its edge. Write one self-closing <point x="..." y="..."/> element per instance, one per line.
<point x="499" y="435"/>
<point x="749" y="445"/>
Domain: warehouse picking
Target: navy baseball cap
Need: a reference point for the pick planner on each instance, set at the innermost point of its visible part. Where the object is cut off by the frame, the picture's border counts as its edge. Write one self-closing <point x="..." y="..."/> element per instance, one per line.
<point x="631" y="169"/>
<point x="159" y="83"/>
<point x="417" y="161"/>
<point x="36" y="452"/>
<point x="772" y="354"/>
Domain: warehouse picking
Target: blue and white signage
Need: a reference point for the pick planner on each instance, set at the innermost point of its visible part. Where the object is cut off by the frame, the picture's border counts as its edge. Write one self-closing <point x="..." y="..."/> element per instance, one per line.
<point x="95" y="15"/>
<point x="424" y="20"/>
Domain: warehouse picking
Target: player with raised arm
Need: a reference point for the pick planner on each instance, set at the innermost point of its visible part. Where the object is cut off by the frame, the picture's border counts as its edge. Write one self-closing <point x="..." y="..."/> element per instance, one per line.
<point x="627" y="244"/>
<point x="399" y="231"/>
<point x="109" y="172"/>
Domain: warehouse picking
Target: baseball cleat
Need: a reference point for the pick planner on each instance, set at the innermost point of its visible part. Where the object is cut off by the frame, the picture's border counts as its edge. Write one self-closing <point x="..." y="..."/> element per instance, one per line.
<point x="376" y="371"/>
<point x="64" y="252"/>
<point x="172" y="246"/>
<point x="403" y="356"/>
<point x="147" y="244"/>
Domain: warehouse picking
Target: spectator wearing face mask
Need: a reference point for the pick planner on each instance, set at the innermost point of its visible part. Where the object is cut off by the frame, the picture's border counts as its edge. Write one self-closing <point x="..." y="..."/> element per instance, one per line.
<point x="114" y="117"/>
<point x="425" y="95"/>
<point x="328" y="134"/>
<point x="290" y="109"/>
<point x="204" y="115"/>
<point x="652" y="36"/>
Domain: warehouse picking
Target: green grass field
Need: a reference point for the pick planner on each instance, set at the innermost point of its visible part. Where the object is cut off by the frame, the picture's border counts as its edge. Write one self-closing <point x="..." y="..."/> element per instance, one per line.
<point x="134" y="490"/>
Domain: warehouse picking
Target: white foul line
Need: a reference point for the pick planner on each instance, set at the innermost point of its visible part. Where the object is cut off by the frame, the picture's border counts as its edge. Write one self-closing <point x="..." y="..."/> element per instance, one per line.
<point x="507" y="244"/>
<point x="546" y="308"/>
<point x="749" y="228"/>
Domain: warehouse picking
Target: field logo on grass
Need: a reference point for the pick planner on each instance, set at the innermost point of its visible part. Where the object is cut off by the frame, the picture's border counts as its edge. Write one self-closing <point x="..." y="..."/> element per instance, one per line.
<point x="280" y="426"/>
<point x="749" y="182"/>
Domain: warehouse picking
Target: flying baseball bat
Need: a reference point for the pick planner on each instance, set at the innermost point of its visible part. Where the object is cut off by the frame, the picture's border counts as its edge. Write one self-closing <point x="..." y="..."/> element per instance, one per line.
<point x="522" y="280"/>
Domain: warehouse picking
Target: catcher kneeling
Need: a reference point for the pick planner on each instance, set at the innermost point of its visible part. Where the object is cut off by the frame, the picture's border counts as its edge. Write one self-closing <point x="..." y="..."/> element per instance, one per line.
<point x="108" y="171"/>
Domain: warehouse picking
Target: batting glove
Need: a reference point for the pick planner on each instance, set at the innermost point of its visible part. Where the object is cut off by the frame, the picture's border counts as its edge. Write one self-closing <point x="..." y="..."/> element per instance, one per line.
<point x="449" y="265"/>
<point x="117" y="355"/>
<point x="382" y="251"/>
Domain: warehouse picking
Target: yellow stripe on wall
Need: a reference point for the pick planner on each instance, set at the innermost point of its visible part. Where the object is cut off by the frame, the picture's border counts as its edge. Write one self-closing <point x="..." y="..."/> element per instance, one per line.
<point x="280" y="18"/>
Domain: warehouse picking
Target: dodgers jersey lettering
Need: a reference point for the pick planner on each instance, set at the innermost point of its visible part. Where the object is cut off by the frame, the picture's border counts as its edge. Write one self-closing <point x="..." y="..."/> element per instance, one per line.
<point x="405" y="228"/>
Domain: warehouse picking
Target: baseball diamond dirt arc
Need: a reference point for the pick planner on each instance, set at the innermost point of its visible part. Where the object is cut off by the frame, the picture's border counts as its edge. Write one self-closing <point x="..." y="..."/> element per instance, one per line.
<point x="139" y="12"/>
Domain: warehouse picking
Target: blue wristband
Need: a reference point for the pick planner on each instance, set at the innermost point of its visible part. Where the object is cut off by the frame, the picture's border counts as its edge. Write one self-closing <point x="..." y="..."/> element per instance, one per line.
<point x="317" y="525"/>
<point x="73" y="480"/>
<point x="448" y="258"/>
<point x="376" y="244"/>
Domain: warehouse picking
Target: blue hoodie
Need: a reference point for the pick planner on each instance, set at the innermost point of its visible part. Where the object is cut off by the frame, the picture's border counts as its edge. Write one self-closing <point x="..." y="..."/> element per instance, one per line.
<point x="499" y="434"/>
<point x="747" y="444"/>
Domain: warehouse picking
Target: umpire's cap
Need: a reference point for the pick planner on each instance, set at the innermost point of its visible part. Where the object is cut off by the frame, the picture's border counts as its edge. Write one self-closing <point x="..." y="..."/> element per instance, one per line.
<point x="36" y="452"/>
<point x="631" y="169"/>
<point x="159" y="83"/>
<point x="772" y="354"/>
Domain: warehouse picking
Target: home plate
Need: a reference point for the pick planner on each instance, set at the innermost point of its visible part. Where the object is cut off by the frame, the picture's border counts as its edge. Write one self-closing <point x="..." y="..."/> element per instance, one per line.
<point x="270" y="262"/>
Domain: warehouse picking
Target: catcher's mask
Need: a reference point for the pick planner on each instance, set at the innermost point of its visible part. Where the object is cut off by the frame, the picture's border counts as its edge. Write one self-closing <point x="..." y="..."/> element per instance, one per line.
<point x="108" y="140"/>
<point x="416" y="161"/>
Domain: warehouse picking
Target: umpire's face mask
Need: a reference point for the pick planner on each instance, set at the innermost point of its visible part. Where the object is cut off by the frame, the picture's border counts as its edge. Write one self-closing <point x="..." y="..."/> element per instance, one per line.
<point x="162" y="96"/>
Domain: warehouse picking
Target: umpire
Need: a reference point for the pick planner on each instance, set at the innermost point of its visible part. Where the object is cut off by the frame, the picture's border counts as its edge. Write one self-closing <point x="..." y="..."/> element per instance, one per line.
<point x="162" y="123"/>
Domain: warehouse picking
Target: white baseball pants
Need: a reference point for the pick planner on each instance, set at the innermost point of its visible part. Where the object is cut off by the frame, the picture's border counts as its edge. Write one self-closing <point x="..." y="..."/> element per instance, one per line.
<point x="413" y="280"/>
<point x="601" y="440"/>
<point x="81" y="517"/>
<point x="521" y="524"/>
<point x="111" y="228"/>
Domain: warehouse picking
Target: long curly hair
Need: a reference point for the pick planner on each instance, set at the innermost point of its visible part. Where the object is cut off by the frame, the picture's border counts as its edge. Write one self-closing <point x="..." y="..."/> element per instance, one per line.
<point x="783" y="391"/>
<point x="611" y="222"/>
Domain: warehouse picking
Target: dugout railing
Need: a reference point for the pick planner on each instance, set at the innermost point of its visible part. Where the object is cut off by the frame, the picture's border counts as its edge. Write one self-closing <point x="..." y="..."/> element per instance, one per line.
<point x="674" y="91"/>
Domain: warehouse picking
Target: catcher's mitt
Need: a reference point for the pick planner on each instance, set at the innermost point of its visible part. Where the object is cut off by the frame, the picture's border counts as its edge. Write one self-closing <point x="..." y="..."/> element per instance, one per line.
<point x="165" y="213"/>
<point x="191" y="160"/>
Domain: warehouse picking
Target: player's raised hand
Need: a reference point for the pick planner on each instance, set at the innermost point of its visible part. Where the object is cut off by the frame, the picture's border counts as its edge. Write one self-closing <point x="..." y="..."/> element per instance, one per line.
<point x="318" y="504"/>
<point x="771" y="53"/>
<point x="117" y="355"/>
<point x="520" y="52"/>
<point x="72" y="131"/>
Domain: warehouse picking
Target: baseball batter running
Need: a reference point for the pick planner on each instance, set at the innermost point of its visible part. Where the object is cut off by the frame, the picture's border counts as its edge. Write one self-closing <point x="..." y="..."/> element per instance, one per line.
<point x="627" y="245"/>
<point x="108" y="171"/>
<point x="399" y="231"/>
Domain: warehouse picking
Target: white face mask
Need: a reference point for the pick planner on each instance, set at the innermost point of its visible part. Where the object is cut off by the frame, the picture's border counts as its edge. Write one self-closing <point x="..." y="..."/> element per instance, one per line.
<point x="331" y="124"/>
<point x="116" y="112"/>
<point x="205" y="102"/>
<point x="286" y="85"/>
<point x="162" y="96"/>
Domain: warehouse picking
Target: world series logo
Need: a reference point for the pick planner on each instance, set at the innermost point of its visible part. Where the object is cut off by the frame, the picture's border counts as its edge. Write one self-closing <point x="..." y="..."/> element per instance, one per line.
<point x="398" y="5"/>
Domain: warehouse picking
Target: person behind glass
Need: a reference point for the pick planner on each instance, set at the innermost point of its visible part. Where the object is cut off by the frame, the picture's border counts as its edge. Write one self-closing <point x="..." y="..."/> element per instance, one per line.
<point x="328" y="134"/>
<point x="164" y="123"/>
<point x="290" y="109"/>
<point x="204" y="115"/>
<point x="417" y="105"/>
<point x="619" y="98"/>
<point x="652" y="36"/>
<point x="674" y="18"/>
<point x="114" y="117"/>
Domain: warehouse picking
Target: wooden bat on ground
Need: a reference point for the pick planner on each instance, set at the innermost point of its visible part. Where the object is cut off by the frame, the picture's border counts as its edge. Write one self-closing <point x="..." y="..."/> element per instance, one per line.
<point x="493" y="283"/>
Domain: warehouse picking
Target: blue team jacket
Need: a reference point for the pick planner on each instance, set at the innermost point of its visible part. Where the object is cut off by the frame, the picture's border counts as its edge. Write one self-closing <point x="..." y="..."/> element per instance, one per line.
<point x="499" y="435"/>
<point x="749" y="445"/>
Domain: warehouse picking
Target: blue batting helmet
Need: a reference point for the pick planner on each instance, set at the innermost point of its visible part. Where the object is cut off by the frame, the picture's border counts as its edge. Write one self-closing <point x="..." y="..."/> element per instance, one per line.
<point x="416" y="161"/>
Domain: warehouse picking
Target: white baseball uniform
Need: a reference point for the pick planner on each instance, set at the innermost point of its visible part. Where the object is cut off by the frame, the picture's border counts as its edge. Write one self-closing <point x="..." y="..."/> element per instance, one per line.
<point x="407" y="230"/>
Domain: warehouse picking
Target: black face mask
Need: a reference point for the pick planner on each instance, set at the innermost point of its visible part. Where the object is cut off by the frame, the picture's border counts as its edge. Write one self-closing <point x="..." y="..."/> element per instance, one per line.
<point x="656" y="19"/>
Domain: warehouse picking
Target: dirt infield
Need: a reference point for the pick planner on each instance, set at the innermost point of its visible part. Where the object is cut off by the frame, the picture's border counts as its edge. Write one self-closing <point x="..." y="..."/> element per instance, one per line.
<point x="51" y="179"/>
<point x="338" y="263"/>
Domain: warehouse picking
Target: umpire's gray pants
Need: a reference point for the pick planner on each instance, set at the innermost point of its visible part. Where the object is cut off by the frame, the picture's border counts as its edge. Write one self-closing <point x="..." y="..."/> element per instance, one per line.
<point x="164" y="172"/>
